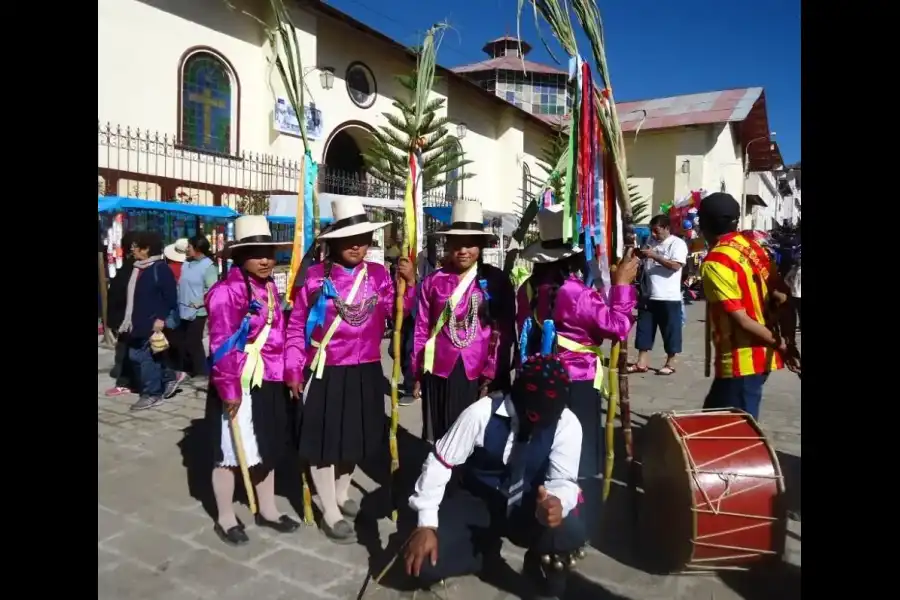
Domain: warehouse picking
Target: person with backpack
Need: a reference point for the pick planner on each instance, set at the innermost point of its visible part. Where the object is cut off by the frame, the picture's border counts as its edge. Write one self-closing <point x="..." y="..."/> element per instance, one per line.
<point x="246" y="343"/>
<point x="151" y="306"/>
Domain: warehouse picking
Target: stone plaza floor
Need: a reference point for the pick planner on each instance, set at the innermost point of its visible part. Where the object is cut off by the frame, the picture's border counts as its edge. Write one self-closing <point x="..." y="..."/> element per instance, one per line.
<point x="155" y="537"/>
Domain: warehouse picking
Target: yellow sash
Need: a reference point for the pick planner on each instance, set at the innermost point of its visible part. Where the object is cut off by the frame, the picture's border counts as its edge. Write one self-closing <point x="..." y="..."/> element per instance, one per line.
<point x="252" y="374"/>
<point x="573" y="346"/>
<point x="464" y="283"/>
<point x="318" y="363"/>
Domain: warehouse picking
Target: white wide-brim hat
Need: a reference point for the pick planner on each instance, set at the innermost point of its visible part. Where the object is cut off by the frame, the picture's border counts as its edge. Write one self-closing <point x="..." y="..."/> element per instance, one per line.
<point x="176" y="252"/>
<point x="551" y="247"/>
<point x="466" y="218"/>
<point x="252" y="230"/>
<point x="350" y="219"/>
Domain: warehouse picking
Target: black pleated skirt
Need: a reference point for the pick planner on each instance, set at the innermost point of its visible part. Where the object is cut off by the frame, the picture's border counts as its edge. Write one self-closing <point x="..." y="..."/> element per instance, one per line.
<point x="586" y="403"/>
<point x="444" y="399"/>
<point x="343" y="418"/>
<point x="272" y="410"/>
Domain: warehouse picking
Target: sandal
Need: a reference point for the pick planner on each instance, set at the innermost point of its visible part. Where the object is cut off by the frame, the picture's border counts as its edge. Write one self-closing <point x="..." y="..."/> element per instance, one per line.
<point x="634" y="368"/>
<point x="665" y="371"/>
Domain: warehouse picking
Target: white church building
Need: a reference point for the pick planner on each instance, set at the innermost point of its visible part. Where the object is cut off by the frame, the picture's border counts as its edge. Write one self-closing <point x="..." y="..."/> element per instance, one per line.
<point x="190" y="108"/>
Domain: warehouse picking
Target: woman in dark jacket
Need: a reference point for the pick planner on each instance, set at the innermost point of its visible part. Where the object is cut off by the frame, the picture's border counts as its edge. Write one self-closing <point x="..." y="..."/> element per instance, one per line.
<point x="151" y="300"/>
<point x="116" y="300"/>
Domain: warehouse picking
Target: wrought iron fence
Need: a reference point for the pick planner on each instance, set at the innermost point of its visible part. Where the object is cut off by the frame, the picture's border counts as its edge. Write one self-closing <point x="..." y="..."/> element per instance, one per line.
<point x="153" y="166"/>
<point x="148" y="165"/>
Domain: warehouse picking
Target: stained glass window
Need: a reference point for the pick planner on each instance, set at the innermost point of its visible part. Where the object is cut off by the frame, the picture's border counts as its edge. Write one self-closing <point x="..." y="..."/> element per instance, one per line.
<point x="206" y="104"/>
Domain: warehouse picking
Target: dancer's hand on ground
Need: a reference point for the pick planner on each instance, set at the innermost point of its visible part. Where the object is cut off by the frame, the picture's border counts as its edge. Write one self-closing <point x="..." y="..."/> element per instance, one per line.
<point x="406" y="271"/>
<point x="417" y="390"/>
<point x="296" y="388"/>
<point x="626" y="270"/>
<point x="423" y="543"/>
<point x="231" y="407"/>
<point x="549" y="508"/>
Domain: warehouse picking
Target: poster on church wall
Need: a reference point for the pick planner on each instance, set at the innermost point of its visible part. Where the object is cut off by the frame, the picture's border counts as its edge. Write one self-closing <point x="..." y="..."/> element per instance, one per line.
<point x="284" y="120"/>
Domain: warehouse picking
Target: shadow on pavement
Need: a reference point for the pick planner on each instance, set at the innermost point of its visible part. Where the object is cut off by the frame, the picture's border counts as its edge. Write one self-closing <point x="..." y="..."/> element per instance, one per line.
<point x="197" y="459"/>
<point x="616" y="530"/>
<point x="773" y="582"/>
<point x="790" y="468"/>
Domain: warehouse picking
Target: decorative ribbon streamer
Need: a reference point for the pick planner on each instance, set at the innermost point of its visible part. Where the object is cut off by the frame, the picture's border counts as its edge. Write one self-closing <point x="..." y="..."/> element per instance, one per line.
<point x="548" y="336"/>
<point x="483" y="284"/>
<point x="316" y="317"/>
<point x="238" y="340"/>
<point x="523" y="340"/>
<point x="312" y="175"/>
<point x="254" y="368"/>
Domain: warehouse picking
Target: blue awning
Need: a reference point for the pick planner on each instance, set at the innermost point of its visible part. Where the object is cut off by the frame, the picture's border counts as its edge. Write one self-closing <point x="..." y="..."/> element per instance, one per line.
<point x="281" y="220"/>
<point x="119" y="204"/>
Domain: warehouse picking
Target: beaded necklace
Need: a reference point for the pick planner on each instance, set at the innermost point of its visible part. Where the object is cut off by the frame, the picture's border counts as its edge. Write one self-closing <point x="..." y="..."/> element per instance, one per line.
<point x="358" y="313"/>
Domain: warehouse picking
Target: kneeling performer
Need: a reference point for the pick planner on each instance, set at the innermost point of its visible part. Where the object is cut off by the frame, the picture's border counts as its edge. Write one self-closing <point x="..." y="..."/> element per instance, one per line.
<point x="521" y="454"/>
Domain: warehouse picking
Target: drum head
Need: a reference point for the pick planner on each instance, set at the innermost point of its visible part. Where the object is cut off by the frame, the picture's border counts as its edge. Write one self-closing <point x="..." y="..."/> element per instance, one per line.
<point x="667" y="518"/>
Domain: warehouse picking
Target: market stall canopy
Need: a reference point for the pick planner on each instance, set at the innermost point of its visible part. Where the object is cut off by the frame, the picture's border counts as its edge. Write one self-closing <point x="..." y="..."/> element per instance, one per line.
<point x="119" y="204"/>
<point x="291" y="220"/>
<point x="285" y="205"/>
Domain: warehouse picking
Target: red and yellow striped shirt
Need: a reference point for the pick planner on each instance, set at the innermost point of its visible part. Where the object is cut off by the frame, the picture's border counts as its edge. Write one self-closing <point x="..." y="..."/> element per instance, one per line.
<point x="734" y="278"/>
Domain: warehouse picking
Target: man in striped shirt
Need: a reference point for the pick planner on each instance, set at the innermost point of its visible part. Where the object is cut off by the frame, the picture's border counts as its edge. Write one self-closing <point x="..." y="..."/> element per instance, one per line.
<point x="742" y="293"/>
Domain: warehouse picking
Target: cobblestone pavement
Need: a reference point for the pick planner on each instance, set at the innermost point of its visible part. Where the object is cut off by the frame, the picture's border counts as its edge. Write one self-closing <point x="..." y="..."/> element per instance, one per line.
<point x="155" y="538"/>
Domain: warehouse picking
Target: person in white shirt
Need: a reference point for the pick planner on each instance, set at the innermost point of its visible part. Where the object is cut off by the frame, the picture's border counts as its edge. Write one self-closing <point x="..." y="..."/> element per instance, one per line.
<point x="661" y="296"/>
<point x="521" y="454"/>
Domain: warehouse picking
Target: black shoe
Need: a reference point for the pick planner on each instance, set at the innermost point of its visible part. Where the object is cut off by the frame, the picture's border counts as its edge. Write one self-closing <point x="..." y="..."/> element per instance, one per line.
<point x="284" y="524"/>
<point x="235" y="536"/>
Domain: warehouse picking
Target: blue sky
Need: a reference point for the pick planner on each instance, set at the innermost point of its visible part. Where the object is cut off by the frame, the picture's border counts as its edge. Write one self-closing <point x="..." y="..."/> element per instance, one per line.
<point x="655" y="48"/>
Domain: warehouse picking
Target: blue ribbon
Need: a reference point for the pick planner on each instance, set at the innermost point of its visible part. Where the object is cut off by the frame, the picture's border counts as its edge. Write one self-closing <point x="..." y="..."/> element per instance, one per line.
<point x="548" y="336"/>
<point x="316" y="316"/>
<point x="523" y="340"/>
<point x="238" y="340"/>
<point x="483" y="284"/>
<point x="312" y="173"/>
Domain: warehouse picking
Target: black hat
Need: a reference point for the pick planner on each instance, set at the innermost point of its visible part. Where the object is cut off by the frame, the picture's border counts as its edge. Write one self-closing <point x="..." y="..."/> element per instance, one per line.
<point x="541" y="391"/>
<point x="719" y="207"/>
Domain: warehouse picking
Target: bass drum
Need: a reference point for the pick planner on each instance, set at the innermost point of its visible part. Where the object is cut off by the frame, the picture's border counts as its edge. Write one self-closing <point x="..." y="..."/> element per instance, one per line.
<point x="713" y="492"/>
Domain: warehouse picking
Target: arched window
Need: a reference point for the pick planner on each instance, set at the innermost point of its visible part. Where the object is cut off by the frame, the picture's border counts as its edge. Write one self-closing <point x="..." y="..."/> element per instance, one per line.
<point x="454" y="183"/>
<point x="209" y="99"/>
<point x="526" y="186"/>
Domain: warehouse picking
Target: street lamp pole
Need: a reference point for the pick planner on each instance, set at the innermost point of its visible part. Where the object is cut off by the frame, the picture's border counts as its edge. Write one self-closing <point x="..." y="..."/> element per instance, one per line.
<point x="746" y="168"/>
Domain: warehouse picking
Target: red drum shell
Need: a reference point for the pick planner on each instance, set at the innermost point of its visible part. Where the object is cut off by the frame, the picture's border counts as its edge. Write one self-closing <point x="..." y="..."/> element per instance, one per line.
<point x="713" y="491"/>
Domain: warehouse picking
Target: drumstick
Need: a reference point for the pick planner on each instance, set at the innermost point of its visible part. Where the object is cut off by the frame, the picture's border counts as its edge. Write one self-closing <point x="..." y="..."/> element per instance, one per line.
<point x="242" y="462"/>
